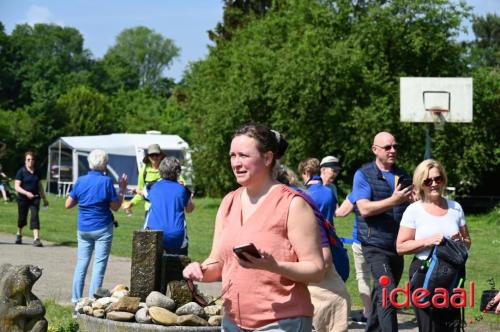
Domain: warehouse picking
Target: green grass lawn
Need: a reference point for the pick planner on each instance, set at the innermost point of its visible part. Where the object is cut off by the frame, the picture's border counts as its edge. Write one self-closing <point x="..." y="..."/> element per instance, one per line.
<point x="59" y="225"/>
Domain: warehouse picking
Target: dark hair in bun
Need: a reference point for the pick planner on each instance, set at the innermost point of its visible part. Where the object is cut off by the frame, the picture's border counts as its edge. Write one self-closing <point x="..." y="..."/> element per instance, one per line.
<point x="267" y="139"/>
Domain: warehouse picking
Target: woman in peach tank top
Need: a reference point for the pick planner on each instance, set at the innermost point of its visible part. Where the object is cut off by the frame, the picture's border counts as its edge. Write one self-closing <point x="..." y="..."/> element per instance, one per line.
<point x="267" y="293"/>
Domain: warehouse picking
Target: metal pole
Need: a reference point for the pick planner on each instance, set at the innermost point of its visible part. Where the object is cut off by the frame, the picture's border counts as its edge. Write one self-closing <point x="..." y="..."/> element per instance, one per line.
<point x="428" y="142"/>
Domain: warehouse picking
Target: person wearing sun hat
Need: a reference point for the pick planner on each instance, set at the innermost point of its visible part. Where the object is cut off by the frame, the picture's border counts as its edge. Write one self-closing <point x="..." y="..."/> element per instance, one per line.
<point x="149" y="173"/>
<point x="329" y="170"/>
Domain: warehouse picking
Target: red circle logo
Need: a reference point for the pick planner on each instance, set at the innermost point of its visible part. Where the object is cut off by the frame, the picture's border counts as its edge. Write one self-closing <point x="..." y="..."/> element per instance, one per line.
<point x="384" y="281"/>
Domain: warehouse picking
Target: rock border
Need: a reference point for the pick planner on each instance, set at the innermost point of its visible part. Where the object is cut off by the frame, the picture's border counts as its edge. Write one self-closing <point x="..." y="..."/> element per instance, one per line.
<point x="92" y="324"/>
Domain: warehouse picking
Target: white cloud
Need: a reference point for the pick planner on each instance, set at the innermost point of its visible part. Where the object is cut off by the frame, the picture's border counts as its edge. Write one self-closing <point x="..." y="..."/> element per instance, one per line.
<point x="40" y="14"/>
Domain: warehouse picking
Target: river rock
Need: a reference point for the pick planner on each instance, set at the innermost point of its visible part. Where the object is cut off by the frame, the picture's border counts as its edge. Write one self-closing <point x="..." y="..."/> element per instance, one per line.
<point x="87" y="310"/>
<point x="102" y="292"/>
<point x="157" y="299"/>
<point x="179" y="291"/>
<point x="163" y="316"/>
<point x="213" y="310"/>
<point x="98" y="313"/>
<point x="142" y="316"/>
<point x="120" y="316"/>
<point x="191" y="308"/>
<point x="215" y="320"/>
<point x="119" y="287"/>
<point x="105" y="300"/>
<point x="84" y="301"/>
<point x="126" y="303"/>
<point x="191" y="320"/>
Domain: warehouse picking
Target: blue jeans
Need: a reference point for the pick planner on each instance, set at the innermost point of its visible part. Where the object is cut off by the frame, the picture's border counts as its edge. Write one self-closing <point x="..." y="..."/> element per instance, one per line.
<point x="87" y="241"/>
<point x="296" y="324"/>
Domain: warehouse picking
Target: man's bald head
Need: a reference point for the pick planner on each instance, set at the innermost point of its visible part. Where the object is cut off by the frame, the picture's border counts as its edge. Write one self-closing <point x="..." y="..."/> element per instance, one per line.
<point x="385" y="150"/>
<point x="383" y="137"/>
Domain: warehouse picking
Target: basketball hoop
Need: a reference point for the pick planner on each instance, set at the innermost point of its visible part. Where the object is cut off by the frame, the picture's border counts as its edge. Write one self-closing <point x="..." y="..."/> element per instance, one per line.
<point x="438" y="116"/>
<point x="435" y="101"/>
<point x="438" y="103"/>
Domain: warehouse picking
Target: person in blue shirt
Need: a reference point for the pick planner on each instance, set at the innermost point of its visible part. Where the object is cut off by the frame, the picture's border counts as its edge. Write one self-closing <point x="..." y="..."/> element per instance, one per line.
<point x="379" y="203"/>
<point x="329" y="170"/>
<point x="322" y="195"/>
<point x="95" y="195"/>
<point x="169" y="200"/>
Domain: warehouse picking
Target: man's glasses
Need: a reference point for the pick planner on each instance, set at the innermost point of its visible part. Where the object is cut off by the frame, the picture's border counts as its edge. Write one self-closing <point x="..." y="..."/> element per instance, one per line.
<point x="388" y="147"/>
<point x="428" y="182"/>
<point x="198" y="298"/>
<point x="154" y="155"/>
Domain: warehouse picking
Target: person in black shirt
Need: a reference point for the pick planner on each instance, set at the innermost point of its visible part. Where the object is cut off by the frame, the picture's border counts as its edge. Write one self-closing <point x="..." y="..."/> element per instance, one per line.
<point x="29" y="187"/>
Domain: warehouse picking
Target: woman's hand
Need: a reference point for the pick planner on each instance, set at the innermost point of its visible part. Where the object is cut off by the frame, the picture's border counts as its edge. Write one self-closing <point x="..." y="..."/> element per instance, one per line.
<point x="265" y="262"/>
<point x="434" y="240"/>
<point x="193" y="271"/>
<point x="122" y="183"/>
<point x="457" y="237"/>
<point x="127" y="207"/>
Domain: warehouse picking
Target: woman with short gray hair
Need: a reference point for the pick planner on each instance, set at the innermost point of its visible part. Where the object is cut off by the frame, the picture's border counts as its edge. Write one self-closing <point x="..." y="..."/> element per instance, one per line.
<point x="170" y="168"/>
<point x="98" y="160"/>
<point x="95" y="195"/>
<point x="169" y="200"/>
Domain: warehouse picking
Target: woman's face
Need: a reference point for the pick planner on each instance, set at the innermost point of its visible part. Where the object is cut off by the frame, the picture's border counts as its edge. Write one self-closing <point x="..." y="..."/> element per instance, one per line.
<point x="247" y="162"/>
<point x="433" y="184"/>
<point x="29" y="161"/>
<point x="155" y="159"/>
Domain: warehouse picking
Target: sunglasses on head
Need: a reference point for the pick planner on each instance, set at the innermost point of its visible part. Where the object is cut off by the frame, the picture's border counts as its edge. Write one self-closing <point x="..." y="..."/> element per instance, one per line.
<point x="388" y="147"/>
<point x="428" y="182"/>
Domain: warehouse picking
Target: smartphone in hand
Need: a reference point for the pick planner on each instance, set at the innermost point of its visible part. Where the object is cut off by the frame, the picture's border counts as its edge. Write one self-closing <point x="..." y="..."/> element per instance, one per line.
<point x="247" y="248"/>
<point x="405" y="182"/>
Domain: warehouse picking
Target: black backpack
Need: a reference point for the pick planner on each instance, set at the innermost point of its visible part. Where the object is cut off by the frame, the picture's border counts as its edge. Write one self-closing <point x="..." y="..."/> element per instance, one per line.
<point x="443" y="268"/>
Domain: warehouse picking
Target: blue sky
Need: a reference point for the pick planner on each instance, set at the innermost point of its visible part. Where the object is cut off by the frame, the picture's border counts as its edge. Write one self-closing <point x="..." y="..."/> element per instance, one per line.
<point x="184" y="21"/>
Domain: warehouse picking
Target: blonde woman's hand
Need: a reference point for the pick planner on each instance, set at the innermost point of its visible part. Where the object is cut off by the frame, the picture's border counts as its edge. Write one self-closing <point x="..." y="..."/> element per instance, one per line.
<point x="434" y="240"/>
<point x="457" y="237"/>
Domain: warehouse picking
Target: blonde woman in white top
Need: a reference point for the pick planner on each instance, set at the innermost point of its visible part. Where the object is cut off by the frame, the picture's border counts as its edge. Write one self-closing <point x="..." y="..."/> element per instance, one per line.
<point x="424" y="224"/>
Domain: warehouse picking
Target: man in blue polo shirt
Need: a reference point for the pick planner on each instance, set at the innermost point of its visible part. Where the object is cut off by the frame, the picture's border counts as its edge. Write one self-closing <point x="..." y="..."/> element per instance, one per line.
<point x="379" y="206"/>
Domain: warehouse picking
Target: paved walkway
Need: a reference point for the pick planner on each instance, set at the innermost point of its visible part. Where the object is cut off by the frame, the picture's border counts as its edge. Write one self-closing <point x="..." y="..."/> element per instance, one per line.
<point x="58" y="264"/>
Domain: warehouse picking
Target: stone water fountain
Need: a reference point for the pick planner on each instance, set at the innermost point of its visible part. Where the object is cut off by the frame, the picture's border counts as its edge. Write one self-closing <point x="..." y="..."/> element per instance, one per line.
<point x="159" y="298"/>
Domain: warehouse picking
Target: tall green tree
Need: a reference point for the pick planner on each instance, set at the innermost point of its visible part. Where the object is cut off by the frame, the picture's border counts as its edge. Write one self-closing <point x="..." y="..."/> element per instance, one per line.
<point x="144" y="50"/>
<point x="486" y="46"/>
<point x="48" y="56"/>
<point x="324" y="73"/>
<point x="84" y="111"/>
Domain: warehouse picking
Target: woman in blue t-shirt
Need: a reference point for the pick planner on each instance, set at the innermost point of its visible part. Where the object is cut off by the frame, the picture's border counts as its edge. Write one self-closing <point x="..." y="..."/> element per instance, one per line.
<point x="95" y="195"/>
<point x="169" y="200"/>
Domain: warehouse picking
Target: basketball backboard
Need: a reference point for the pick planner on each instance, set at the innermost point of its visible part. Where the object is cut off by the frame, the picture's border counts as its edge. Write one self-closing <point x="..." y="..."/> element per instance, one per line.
<point x="436" y="99"/>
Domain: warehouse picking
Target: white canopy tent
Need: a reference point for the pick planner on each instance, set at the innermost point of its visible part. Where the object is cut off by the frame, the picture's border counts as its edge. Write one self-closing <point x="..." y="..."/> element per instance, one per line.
<point x="67" y="157"/>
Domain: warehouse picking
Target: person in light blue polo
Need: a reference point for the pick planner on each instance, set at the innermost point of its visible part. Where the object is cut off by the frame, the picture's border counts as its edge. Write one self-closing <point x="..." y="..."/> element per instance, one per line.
<point x="169" y="200"/>
<point x="95" y="196"/>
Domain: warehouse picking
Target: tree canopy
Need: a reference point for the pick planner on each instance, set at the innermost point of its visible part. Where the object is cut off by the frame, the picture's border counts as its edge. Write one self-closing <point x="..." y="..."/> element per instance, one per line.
<point x="324" y="73"/>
